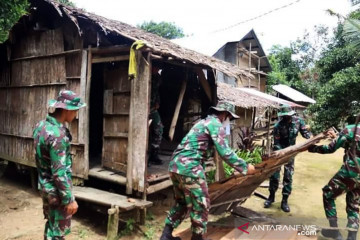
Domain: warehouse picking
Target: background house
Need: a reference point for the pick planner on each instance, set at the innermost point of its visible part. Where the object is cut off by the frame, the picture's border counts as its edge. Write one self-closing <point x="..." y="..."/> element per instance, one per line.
<point x="242" y="49"/>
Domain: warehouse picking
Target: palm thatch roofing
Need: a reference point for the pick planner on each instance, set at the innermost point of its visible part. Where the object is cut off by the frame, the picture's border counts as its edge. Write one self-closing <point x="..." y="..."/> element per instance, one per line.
<point x="157" y="45"/>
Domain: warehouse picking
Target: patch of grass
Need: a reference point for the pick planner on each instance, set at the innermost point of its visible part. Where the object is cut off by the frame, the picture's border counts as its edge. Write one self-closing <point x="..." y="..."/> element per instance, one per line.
<point x="150" y="232"/>
<point x="83" y="233"/>
<point x="129" y="228"/>
<point x="149" y="216"/>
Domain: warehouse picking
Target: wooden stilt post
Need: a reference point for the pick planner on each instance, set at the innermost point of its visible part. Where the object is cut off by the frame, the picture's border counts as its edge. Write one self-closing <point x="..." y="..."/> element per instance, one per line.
<point x="268" y="138"/>
<point x="113" y="223"/>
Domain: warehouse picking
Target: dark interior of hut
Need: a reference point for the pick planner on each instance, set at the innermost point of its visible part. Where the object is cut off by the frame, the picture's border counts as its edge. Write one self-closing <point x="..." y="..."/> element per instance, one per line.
<point x="194" y="106"/>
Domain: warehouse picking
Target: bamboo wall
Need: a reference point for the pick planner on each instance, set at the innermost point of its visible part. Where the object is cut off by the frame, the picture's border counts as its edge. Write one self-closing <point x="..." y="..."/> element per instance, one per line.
<point x="39" y="68"/>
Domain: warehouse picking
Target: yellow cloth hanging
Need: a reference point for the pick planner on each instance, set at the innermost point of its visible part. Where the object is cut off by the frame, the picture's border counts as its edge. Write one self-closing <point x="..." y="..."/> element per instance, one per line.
<point x="132" y="59"/>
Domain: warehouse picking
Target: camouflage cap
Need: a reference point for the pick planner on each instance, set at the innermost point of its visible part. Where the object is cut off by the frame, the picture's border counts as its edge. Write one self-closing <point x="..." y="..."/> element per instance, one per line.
<point x="224" y="106"/>
<point x="285" y="110"/>
<point x="67" y="100"/>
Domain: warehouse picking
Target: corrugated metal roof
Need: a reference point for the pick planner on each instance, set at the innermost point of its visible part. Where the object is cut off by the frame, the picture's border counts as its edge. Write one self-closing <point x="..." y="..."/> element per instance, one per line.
<point x="292" y="93"/>
<point x="274" y="100"/>
<point x="248" y="97"/>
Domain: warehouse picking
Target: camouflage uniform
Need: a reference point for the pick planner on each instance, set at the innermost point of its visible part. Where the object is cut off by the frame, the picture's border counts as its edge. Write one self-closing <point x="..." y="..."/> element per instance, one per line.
<point x="346" y="180"/>
<point x="156" y="127"/>
<point x="53" y="160"/>
<point x="284" y="136"/>
<point x="187" y="171"/>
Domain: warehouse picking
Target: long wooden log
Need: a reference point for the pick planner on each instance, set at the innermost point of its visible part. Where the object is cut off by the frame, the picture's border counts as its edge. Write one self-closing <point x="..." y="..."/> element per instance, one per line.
<point x="238" y="186"/>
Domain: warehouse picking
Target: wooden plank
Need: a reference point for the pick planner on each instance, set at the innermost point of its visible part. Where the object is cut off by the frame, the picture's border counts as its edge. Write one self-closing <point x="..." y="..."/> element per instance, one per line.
<point x="160" y="186"/>
<point x="101" y="173"/>
<point x="138" y="126"/>
<point x="110" y="59"/>
<point x="114" y="154"/>
<point x="108" y="101"/>
<point x="17" y="136"/>
<point x="109" y="199"/>
<point x="177" y="109"/>
<point x="82" y="93"/>
<point x="112" y="49"/>
<point x="86" y="128"/>
<point x="115" y="135"/>
<point x="102" y="197"/>
<point x="46" y="55"/>
<point x="36" y="85"/>
<point x="23" y="161"/>
<point x="204" y="83"/>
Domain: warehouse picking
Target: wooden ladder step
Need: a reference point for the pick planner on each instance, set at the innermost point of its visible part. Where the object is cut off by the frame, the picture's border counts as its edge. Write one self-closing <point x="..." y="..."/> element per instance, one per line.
<point x="109" y="199"/>
<point x="103" y="174"/>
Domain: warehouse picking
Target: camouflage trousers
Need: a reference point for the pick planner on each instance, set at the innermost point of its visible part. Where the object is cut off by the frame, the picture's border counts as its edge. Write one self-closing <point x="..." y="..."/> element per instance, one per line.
<point x="287" y="180"/>
<point x="191" y="195"/>
<point x="58" y="222"/>
<point x="344" y="181"/>
<point x="156" y="130"/>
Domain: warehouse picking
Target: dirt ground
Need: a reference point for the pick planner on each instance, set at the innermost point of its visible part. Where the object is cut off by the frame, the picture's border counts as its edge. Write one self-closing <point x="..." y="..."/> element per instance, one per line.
<point x="21" y="209"/>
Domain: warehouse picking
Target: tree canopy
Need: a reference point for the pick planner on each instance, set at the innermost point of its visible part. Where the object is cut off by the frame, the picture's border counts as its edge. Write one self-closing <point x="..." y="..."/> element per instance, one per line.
<point x="163" y="29"/>
<point x="10" y="12"/>
<point x="324" y="68"/>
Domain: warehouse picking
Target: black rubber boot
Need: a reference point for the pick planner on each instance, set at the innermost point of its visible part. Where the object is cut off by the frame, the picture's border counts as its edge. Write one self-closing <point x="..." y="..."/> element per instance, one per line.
<point x="167" y="233"/>
<point x="284" y="204"/>
<point x="154" y="157"/>
<point x="352" y="235"/>
<point x="270" y="200"/>
<point x="198" y="237"/>
<point x="332" y="233"/>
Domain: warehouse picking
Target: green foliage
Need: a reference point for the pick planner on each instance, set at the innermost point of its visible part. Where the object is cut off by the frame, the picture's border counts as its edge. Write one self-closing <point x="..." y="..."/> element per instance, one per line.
<point x="335" y="59"/>
<point x="129" y="228"/>
<point x="335" y="98"/>
<point x="163" y="29"/>
<point x="66" y="2"/>
<point x="10" y="13"/>
<point x="252" y="157"/>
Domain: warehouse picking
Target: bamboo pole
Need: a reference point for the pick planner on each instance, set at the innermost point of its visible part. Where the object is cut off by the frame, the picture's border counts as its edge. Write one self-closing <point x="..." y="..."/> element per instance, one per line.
<point x="177" y="109"/>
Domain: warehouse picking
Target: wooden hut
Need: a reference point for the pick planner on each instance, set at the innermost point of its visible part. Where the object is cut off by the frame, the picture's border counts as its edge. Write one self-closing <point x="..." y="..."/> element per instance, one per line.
<point x="58" y="47"/>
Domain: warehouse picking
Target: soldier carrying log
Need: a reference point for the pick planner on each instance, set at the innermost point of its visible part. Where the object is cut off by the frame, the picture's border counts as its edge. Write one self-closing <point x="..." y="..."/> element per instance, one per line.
<point x="187" y="170"/>
<point x="346" y="180"/>
<point x="285" y="133"/>
<point x="53" y="160"/>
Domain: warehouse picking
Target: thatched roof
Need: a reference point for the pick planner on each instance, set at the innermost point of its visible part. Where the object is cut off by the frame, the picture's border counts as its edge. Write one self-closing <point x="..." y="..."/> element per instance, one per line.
<point x="157" y="44"/>
<point x="241" y="98"/>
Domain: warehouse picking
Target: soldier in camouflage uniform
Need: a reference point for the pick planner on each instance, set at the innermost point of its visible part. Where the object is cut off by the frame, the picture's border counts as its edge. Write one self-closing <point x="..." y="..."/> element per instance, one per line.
<point x="53" y="160"/>
<point x="285" y="133"/>
<point x="156" y="127"/>
<point x="187" y="170"/>
<point x="346" y="180"/>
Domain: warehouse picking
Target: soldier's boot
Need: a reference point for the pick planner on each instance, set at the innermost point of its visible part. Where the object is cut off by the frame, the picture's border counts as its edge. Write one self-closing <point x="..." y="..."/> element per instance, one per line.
<point x="270" y="200"/>
<point x="154" y="157"/>
<point x="351" y="235"/>
<point x="332" y="233"/>
<point x="167" y="233"/>
<point x="198" y="237"/>
<point x="284" y="203"/>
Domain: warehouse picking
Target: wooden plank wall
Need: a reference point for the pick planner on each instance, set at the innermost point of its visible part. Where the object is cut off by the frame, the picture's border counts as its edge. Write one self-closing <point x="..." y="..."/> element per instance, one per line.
<point x="116" y="116"/>
<point x="34" y="81"/>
